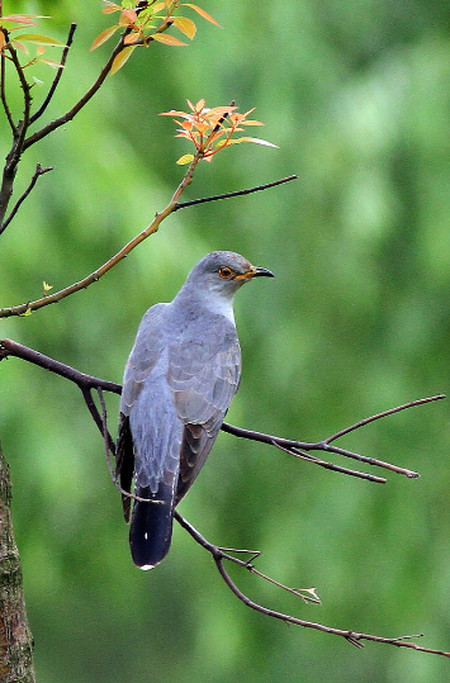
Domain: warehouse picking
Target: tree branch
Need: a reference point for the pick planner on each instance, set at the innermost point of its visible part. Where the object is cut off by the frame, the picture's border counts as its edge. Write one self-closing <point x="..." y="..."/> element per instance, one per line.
<point x="36" y="175"/>
<point x="353" y="637"/>
<point x="57" y="78"/>
<point x="237" y="193"/>
<point x="86" y="383"/>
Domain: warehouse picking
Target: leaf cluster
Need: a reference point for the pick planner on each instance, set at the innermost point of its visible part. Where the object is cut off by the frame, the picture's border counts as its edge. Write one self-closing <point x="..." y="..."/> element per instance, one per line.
<point x="17" y="22"/>
<point x="145" y="22"/>
<point x="212" y="129"/>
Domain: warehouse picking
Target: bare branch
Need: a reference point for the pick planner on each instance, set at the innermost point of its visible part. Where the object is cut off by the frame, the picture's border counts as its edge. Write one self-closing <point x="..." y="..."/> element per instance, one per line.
<point x="237" y="193"/>
<point x="353" y="637"/>
<point x="36" y="175"/>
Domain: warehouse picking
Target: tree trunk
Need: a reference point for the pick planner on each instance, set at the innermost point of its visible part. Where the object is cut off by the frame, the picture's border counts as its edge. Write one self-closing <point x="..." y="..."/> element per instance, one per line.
<point x="16" y="643"/>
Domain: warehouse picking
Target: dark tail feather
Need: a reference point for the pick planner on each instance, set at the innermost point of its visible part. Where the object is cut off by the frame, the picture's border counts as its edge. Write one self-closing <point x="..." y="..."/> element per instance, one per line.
<point x="151" y="527"/>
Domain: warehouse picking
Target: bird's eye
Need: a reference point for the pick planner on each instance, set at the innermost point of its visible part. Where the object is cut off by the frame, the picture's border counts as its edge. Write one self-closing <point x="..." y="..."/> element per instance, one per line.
<point x="225" y="272"/>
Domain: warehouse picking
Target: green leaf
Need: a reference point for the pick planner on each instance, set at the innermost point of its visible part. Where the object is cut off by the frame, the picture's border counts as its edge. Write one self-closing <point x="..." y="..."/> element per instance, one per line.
<point x="185" y="159"/>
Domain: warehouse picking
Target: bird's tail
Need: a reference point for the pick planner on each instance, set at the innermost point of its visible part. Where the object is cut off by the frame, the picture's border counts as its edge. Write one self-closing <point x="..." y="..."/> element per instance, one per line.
<point x="151" y="527"/>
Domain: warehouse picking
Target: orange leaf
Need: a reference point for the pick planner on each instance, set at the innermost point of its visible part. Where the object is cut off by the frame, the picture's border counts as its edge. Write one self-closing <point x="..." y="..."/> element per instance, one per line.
<point x="111" y="7"/>
<point x="166" y="39"/>
<point x="2" y="39"/>
<point x="103" y="37"/>
<point x="202" y="13"/>
<point x="21" y="46"/>
<point x="127" y="17"/>
<point x="121" y="59"/>
<point x="186" y="26"/>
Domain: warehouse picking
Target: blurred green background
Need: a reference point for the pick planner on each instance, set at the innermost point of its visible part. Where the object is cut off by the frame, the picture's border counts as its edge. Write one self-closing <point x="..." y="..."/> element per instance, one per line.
<point x="357" y="320"/>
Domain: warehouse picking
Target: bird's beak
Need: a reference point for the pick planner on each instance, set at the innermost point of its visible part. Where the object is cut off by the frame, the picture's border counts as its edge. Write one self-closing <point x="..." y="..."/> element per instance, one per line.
<point x="262" y="272"/>
<point x="254" y="271"/>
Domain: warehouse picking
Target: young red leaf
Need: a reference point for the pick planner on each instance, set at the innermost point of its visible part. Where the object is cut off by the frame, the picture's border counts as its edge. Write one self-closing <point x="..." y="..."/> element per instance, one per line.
<point x="19" y="18"/>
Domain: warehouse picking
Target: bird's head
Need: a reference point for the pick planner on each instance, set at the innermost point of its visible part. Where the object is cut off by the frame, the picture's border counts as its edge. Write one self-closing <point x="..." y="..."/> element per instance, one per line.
<point x="224" y="272"/>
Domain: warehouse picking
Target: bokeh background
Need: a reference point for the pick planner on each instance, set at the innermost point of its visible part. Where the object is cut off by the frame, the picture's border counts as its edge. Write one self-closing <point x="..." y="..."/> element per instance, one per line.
<point x="357" y="320"/>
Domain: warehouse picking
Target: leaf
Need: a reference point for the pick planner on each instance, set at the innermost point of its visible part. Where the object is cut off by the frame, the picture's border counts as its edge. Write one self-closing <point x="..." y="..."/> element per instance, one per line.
<point x="185" y="159"/>
<point x="167" y="39"/>
<point x="40" y="40"/>
<point x="20" y="18"/>
<point x="257" y="141"/>
<point x="20" y="46"/>
<point x="103" y="37"/>
<point x="2" y="40"/>
<point x="111" y="7"/>
<point x="186" y="26"/>
<point x="122" y="58"/>
<point x="127" y="17"/>
<point x="52" y="63"/>
<point x="202" y="13"/>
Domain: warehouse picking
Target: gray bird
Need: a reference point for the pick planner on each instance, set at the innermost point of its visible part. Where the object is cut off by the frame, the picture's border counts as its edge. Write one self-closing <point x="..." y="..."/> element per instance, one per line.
<point x="181" y="376"/>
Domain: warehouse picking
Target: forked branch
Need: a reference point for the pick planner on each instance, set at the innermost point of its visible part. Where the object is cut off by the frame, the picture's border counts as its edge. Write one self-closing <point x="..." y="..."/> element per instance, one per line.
<point x="354" y="637"/>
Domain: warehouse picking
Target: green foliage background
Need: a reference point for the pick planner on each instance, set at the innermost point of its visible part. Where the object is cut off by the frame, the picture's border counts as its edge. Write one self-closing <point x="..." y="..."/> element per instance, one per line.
<point x="356" y="321"/>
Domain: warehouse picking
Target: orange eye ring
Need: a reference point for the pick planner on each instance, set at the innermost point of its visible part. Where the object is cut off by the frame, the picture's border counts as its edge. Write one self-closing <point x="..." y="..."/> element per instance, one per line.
<point x="225" y="272"/>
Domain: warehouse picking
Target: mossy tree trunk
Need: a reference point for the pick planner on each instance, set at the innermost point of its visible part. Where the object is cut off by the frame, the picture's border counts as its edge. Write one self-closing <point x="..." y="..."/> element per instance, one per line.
<point x="16" y="643"/>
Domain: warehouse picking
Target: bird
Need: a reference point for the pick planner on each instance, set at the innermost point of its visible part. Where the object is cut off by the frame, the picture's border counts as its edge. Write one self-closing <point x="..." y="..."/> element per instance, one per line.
<point x="180" y="378"/>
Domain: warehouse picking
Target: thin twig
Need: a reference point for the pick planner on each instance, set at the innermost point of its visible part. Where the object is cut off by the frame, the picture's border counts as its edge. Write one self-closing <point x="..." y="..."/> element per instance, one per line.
<point x="57" y="78"/>
<point x="385" y="413"/>
<point x="328" y="465"/>
<point x="37" y="174"/>
<point x="237" y="193"/>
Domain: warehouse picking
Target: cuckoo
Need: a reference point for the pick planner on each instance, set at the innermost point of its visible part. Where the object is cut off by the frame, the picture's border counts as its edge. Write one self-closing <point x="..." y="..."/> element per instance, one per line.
<point x="180" y="378"/>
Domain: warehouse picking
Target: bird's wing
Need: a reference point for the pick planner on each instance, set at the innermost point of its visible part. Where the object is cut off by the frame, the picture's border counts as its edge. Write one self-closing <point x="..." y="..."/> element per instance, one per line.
<point x="143" y="358"/>
<point x="204" y="375"/>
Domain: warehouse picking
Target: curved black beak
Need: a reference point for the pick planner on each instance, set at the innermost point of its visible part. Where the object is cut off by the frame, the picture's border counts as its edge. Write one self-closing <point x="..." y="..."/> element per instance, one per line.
<point x="262" y="272"/>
